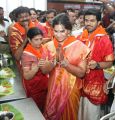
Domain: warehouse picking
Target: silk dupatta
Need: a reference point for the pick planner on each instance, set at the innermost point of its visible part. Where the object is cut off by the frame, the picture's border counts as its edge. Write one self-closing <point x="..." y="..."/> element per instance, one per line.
<point x="61" y="82"/>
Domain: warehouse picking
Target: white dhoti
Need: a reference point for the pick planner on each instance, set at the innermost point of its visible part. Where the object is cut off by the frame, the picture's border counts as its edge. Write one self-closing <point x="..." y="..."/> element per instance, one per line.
<point x="113" y="108"/>
<point x="88" y="111"/>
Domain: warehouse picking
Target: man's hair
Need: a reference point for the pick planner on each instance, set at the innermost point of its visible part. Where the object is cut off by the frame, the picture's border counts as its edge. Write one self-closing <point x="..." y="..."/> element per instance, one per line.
<point x="21" y="10"/>
<point x="94" y="12"/>
<point x="1" y="7"/>
<point x="81" y="12"/>
<point x="51" y="11"/>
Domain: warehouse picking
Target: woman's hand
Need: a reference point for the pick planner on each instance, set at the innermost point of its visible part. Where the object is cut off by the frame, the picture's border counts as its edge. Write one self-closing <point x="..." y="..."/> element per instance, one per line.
<point x="45" y="65"/>
<point x="64" y="63"/>
<point x="34" y="67"/>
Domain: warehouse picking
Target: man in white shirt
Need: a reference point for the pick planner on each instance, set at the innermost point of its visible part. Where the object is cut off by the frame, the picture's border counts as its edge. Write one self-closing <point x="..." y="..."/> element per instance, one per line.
<point x="3" y="26"/>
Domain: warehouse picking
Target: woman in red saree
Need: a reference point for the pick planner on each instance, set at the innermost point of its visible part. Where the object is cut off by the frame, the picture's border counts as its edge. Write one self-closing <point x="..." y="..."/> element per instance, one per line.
<point x="33" y="58"/>
<point x="70" y="65"/>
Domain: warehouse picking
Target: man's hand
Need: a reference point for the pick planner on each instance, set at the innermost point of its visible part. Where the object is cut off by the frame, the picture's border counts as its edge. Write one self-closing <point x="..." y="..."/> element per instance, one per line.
<point x="92" y="64"/>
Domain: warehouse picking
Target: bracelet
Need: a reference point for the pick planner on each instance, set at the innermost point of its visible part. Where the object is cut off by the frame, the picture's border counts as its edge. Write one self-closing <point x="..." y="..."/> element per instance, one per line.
<point x="97" y="66"/>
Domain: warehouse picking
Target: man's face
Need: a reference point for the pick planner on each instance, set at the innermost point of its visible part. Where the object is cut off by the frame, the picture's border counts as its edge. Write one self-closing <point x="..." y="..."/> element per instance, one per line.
<point x="24" y="19"/>
<point x="91" y="23"/>
<point x="1" y="14"/>
<point x="72" y="17"/>
<point x="81" y="20"/>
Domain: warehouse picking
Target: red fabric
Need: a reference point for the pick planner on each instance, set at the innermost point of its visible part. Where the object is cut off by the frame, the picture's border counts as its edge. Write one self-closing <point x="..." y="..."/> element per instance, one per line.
<point x="37" y="89"/>
<point x="49" y="30"/>
<point x="41" y="27"/>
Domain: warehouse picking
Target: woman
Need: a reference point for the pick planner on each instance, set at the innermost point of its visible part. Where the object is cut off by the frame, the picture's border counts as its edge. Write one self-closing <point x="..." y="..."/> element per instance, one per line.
<point x="33" y="15"/>
<point x="70" y="65"/>
<point x="33" y="58"/>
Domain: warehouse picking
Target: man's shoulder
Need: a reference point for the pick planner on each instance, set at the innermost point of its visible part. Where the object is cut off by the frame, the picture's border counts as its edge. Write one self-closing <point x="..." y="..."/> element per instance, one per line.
<point x="102" y="37"/>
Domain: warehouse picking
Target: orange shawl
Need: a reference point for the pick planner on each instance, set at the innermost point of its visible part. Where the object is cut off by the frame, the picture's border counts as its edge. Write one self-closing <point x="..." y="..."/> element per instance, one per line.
<point x="37" y="53"/>
<point x="86" y="38"/>
<point x="21" y="28"/>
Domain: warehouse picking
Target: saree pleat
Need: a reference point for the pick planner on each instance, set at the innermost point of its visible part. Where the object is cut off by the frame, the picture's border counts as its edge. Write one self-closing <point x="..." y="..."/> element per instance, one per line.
<point x="71" y="108"/>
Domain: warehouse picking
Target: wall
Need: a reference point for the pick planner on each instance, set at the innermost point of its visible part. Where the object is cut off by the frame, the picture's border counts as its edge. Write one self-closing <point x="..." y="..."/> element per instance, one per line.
<point x="9" y="5"/>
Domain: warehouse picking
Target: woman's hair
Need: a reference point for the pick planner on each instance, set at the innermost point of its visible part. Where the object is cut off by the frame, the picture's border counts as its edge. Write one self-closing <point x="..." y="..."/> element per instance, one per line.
<point x="62" y="19"/>
<point x="33" y="9"/>
<point x="32" y="32"/>
<point x="95" y="12"/>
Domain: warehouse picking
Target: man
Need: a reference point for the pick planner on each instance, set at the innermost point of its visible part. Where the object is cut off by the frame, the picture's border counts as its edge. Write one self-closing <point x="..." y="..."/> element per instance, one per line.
<point x="72" y="15"/>
<point x="94" y="92"/>
<point x="3" y="31"/>
<point x="17" y="35"/>
<point x="3" y="26"/>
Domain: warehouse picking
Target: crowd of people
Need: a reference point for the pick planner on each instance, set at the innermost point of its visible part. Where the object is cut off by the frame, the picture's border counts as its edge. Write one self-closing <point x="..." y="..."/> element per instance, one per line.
<point x="61" y="57"/>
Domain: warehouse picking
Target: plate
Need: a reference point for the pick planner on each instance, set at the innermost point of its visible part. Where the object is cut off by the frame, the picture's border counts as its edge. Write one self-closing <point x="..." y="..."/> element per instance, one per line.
<point x="7" y="73"/>
<point x="10" y="108"/>
<point x="7" y="86"/>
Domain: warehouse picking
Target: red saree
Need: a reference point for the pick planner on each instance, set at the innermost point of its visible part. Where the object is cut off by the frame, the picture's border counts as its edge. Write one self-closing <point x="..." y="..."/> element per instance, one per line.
<point x="37" y="86"/>
<point x="63" y="92"/>
<point x="101" y="50"/>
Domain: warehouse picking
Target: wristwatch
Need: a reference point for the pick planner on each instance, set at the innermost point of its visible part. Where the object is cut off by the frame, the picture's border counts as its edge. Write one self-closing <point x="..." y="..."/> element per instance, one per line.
<point x="97" y="66"/>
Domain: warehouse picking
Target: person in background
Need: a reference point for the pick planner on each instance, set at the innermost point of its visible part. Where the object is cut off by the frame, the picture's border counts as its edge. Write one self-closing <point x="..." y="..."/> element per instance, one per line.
<point x="3" y="26"/>
<point x="106" y="19"/>
<point x="109" y="5"/>
<point x="12" y="16"/>
<point x="42" y="17"/>
<point x="67" y="69"/>
<point x="113" y="90"/>
<point x="111" y="31"/>
<point x="33" y="15"/>
<point x="50" y="14"/>
<point x="18" y="32"/>
<point x="33" y="58"/>
<point x="3" y="32"/>
<point x="72" y="17"/>
<point x="38" y="14"/>
<point x="94" y="91"/>
<point x="79" y="23"/>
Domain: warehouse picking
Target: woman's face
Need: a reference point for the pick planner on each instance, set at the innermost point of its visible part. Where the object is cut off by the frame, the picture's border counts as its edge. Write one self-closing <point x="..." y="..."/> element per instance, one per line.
<point x="60" y="33"/>
<point x="36" y="41"/>
<point x="33" y="15"/>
